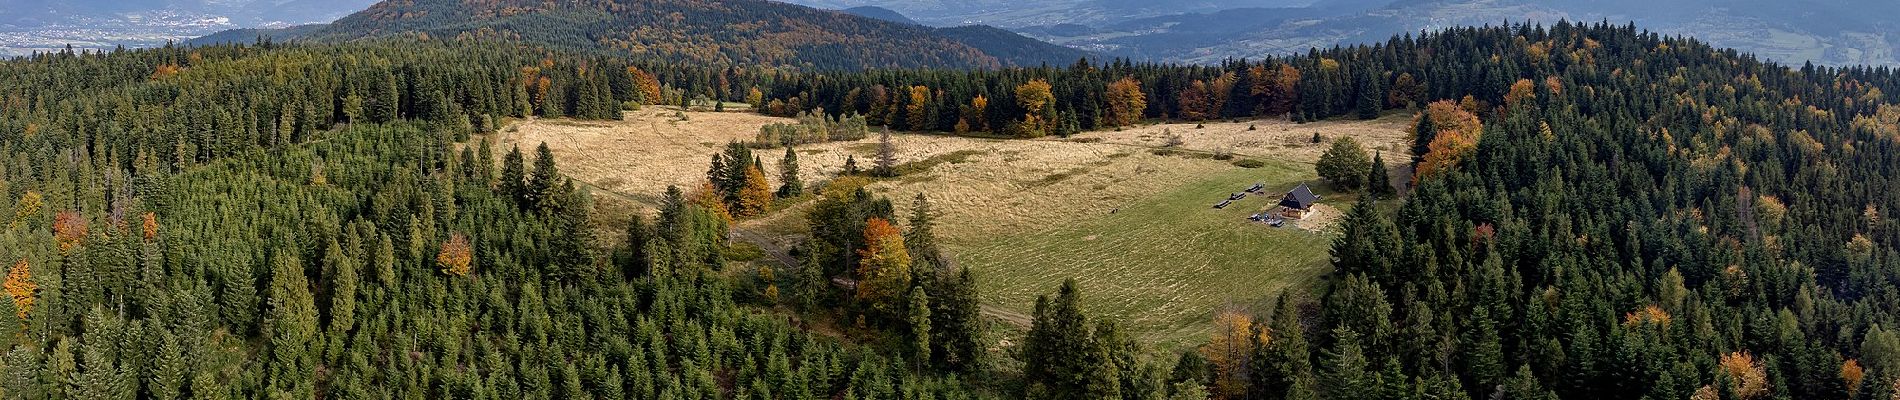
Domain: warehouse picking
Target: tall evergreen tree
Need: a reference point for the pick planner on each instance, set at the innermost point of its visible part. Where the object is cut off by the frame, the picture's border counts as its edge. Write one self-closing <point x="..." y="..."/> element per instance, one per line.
<point x="789" y="183"/>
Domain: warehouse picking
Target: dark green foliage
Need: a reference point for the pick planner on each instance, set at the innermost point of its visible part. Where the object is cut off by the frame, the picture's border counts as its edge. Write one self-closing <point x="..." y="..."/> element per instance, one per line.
<point x="1063" y="358"/>
<point x="1379" y="179"/>
<point x="789" y="183"/>
<point x="1344" y="165"/>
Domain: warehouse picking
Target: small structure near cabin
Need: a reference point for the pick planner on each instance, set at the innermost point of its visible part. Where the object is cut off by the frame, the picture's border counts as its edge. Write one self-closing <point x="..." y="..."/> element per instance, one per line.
<point x="1237" y="196"/>
<point x="1223" y="204"/>
<point x="1298" y="202"/>
<point x="1257" y="187"/>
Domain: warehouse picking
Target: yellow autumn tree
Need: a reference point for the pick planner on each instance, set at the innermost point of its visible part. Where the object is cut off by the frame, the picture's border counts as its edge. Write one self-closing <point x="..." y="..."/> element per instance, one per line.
<point x="28" y="206"/>
<point x="917" y="112"/>
<point x="1035" y="98"/>
<point x="1228" y="352"/>
<point x="456" y="258"/>
<point x="19" y="285"/>
<point x="1125" y="102"/>
<point x="883" y="266"/>
<point x="1652" y="314"/>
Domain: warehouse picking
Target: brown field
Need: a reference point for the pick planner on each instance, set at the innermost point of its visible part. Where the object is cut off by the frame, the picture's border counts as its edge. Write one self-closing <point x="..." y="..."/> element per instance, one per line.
<point x="641" y="155"/>
<point x="1272" y="138"/>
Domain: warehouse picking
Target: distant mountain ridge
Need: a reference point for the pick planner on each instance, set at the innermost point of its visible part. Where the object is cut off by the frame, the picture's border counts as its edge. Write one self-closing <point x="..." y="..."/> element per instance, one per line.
<point x="1830" y="32"/>
<point x="881" y="13"/>
<point x="726" y="32"/>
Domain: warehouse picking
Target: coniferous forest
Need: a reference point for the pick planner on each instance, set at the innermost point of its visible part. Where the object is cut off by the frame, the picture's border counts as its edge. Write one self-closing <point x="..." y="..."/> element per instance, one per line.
<point x="1594" y="211"/>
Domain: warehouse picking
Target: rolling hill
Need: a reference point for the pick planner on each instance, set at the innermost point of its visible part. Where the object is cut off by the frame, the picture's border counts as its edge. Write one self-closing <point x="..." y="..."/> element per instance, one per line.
<point x="737" y="32"/>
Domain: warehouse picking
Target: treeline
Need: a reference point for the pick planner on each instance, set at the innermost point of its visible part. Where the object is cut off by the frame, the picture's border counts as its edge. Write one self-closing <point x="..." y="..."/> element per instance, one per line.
<point x="167" y="109"/>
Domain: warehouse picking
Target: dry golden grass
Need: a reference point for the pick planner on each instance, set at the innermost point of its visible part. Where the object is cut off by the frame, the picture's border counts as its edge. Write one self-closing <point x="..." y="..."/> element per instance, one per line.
<point x="1004" y="187"/>
<point x="1272" y="138"/>
<point x="640" y="155"/>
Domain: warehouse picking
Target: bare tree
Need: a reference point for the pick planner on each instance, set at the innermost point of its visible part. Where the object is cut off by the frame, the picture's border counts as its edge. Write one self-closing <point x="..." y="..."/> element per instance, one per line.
<point x="886" y="165"/>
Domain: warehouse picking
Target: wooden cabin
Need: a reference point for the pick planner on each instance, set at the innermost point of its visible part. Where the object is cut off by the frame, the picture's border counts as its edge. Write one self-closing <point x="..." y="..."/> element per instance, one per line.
<point x="1298" y="202"/>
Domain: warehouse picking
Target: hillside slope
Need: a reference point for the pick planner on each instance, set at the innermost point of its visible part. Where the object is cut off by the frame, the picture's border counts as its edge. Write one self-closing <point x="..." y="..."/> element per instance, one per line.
<point x="736" y="32"/>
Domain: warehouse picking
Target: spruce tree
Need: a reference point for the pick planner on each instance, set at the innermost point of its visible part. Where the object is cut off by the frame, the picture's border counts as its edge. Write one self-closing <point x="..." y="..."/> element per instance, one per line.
<point x="1378" y="179"/>
<point x="789" y="184"/>
<point x="543" y="187"/>
<point x="1343" y="366"/>
<point x="957" y="324"/>
<point x="918" y="319"/>
<point x="514" y="178"/>
<point x="291" y="329"/>
<point x="1422" y="135"/>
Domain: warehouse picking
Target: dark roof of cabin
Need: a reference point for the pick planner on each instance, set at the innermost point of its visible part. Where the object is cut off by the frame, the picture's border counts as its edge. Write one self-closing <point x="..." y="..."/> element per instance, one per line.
<point x="1301" y="197"/>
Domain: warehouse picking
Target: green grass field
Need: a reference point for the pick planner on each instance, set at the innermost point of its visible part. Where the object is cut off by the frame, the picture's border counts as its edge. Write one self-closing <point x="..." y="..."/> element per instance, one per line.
<point x="1163" y="264"/>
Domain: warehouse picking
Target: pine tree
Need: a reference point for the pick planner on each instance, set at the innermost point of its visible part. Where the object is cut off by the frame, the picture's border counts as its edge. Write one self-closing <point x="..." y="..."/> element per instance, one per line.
<point x="789" y="184"/>
<point x="918" y="319"/>
<point x="1343" y="366"/>
<point x="1062" y="358"/>
<point x="514" y="178"/>
<point x="957" y="324"/>
<point x="542" y="187"/>
<point x="921" y="239"/>
<point x="1379" y="180"/>
<point x="638" y="259"/>
<point x="291" y="329"/>
<point x="1422" y="135"/>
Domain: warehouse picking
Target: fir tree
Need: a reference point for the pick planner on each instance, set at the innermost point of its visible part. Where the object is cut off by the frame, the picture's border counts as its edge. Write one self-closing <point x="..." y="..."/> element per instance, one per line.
<point x="789" y="184"/>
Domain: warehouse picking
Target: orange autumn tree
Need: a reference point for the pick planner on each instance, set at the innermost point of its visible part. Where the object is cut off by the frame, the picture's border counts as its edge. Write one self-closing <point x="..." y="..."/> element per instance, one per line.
<point x="19" y="285"/>
<point x="756" y="196"/>
<point x="646" y="86"/>
<point x="883" y="266"/>
<point x="1195" y="101"/>
<point x="1852" y="376"/>
<point x="1454" y="136"/>
<point x="1125" y="102"/>
<point x="69" y="230"/>
<point x="456" y="256"/>
<point x="150" y="225"/>
<point x="707" y="197"/>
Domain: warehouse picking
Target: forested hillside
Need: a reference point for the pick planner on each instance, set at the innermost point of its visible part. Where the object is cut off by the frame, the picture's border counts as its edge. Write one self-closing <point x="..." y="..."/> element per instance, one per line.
<point x="1599" y="212"/>
<point x="738" y="33"/>
<point x="1594" y="212"/>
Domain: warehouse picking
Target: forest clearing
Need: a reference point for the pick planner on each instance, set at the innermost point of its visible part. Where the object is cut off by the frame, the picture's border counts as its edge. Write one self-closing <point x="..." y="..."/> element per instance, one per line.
<point x="1113" y="210"/>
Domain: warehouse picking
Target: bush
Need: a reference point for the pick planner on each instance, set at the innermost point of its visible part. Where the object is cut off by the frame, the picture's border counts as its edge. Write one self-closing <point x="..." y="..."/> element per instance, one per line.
<point x="1249" y="163"/>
